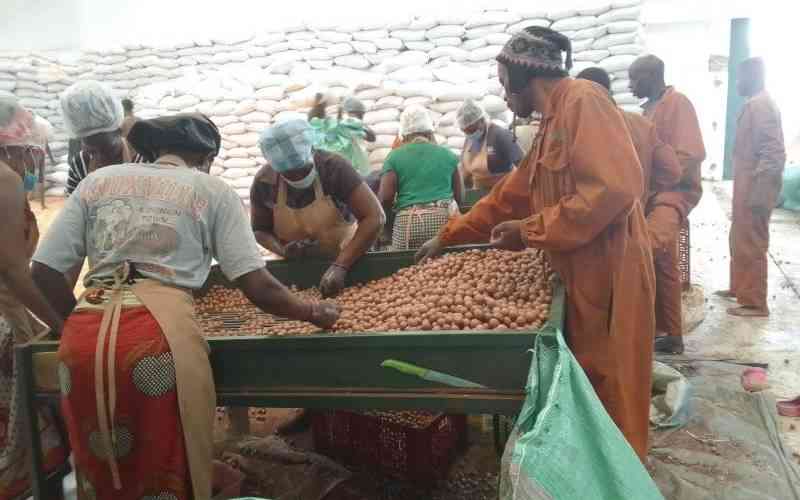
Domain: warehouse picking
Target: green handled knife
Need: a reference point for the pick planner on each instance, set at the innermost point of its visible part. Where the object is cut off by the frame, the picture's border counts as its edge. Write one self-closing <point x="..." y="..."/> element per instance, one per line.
<point x="431" y="375"/>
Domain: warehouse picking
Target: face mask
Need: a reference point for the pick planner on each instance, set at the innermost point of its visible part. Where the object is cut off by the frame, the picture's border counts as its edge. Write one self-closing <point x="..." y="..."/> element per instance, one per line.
<point x="29" y="182"/>
<point x="305" y="182"/>
<point x="477" y="135"/>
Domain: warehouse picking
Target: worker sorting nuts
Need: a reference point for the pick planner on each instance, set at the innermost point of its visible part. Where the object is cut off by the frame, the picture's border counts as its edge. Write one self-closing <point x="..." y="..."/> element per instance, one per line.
<point x="308" y="202"/>
<point x="576" y="196"/>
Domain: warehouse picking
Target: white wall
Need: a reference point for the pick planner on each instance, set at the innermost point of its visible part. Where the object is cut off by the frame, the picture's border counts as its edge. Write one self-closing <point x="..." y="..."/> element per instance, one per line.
<point x="39" y="24"/>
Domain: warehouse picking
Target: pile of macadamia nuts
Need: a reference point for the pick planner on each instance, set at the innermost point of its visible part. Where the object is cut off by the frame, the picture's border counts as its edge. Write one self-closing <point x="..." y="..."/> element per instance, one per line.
<point x="479" y="290"/>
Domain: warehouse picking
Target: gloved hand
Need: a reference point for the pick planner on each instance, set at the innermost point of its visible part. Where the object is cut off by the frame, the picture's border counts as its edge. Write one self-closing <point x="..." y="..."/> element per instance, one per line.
<point x="325" y="314"/>
<point x="333" y="280"/>
<point x="432" y="248"/>
<point x="299" y="248"/>
<point x="508" y="236"/>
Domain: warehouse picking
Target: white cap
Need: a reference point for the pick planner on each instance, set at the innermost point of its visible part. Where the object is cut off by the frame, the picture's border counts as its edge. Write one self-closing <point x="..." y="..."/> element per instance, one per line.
<point x="89" y="108"/>
<point x="469" y="113"/>
<point x="415" y="119"/>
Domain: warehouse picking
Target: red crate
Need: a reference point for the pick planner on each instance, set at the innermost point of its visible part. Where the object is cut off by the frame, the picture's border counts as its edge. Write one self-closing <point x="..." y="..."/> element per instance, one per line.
<point x="420" y="451"/>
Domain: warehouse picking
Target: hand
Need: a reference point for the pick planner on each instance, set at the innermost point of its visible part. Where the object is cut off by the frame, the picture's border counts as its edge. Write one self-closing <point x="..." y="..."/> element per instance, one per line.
<point x="333" y="280"/>
<point x="325" y="314"/>
<point x="508" y="236"/>
<point x="299" y="248"/>
<point x="432" y="248"/>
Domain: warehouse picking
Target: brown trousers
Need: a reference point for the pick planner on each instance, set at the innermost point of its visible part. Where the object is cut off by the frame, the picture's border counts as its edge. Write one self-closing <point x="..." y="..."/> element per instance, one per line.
<point x="749" y="241"/>
<point x="663" y="224"/>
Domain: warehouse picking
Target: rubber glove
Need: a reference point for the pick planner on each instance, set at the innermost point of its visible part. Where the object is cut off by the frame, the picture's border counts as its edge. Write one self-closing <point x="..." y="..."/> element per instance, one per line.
<point x="333" y="280"/>
<point x="432" y="248"/>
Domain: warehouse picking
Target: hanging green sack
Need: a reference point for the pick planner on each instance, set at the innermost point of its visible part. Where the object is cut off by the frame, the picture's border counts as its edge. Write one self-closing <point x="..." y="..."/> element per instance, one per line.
<point x="341" y="137"/>
<point x="564" y="445"/>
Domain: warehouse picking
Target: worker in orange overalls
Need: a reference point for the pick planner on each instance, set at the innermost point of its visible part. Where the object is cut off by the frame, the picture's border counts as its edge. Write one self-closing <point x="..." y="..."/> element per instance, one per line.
<point x="759" y="156"/>
<point x="677" y="125"/>
<point x="577" y="196"/>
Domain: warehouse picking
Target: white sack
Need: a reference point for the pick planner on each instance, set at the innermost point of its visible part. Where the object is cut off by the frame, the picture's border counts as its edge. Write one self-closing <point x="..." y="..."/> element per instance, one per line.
<point x="493" y="104"/>
<point x="384" y="115"/>
<point x="388" y="43"/>
<point x="615" y="39"/>
<point x="626" y="14"/>
<point x="574" y="23"/>
<point x="561" y="14"/>
<point x="617" y="63"/>
<point x="594" y="9"/>
<point x="334" y="36"/>
<point x="591" y="55"/>
<point x="624" y="26"/>
<point x="624" y="98"/>
<point x="448" y="42"/>
<point x="498" y="38"/>
<point x="386" y="128"/>
<point x="483" y="31"/>
<point x="520" y="26"/>
<point x="620" y="85"/>
<point x="409" y="35"/>
<point x="594" y="32"/>
<point x="485" y="54"/>
<point x="424" y="46"/>
<point x="445" y="32"/>
<point x="627" y="49"/>
<point x="370" y="35"/>
<point x="474" y="44"/>
<point x="388" y="102"/>
<point x="353" y="61"/>
<point x="493" y="17"/>
<point x="454" y="53"/>
<point x="582" y="45"/>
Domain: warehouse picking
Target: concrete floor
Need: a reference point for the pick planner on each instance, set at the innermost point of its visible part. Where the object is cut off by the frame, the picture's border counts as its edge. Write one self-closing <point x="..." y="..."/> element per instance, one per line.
<point x="774" y="340"/>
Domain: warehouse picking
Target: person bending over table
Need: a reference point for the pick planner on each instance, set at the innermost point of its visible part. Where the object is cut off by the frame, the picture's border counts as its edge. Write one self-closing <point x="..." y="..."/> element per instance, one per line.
<point x="311" y="203"/>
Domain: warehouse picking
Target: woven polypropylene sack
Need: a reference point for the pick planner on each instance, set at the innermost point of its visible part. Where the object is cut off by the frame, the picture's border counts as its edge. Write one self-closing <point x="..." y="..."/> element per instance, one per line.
<point x="564" y="445"/>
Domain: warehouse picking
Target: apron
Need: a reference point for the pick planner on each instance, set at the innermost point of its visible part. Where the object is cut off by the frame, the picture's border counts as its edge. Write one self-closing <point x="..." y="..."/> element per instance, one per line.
<point x="320" y="221"/>
<point x="173" y="309"/>
<point x="476" y="166"/>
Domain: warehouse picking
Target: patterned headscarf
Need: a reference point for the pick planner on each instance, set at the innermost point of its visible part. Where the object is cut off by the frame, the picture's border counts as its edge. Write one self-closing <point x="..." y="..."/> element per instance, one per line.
<point x="537" y="47"/>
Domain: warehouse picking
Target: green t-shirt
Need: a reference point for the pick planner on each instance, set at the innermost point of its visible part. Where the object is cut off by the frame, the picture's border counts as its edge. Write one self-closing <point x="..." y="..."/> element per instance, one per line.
<point x="424" y="173"/>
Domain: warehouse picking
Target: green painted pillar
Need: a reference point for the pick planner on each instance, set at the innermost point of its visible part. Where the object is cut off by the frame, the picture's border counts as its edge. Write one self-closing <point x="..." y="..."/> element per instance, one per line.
<point x="739" y="51"/>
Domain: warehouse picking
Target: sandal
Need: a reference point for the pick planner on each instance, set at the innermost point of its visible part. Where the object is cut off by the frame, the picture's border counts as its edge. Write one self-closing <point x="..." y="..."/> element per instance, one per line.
<point x="789" y="408"/>
<point x="748" y="312"/>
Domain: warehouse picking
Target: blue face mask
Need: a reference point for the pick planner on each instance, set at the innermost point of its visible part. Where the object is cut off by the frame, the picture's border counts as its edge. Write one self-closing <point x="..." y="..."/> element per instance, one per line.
<point x="29" y="182"/>
<point x="305" y="182"/>
<point x="477" y="135"/>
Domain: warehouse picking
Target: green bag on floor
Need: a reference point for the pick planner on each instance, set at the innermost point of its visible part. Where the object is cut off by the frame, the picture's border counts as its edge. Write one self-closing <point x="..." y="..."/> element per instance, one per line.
<point x="564" y="445"/>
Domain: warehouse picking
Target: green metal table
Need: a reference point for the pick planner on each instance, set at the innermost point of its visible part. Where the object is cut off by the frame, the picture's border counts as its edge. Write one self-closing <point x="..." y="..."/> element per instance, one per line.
<point x="338" y="371"/>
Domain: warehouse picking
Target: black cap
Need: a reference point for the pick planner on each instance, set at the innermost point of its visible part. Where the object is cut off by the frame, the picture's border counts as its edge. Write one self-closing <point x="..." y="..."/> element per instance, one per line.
<point x="192" y="132"/>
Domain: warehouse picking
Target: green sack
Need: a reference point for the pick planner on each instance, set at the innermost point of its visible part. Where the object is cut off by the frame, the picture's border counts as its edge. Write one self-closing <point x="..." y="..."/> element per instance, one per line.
<point x="341" y="137"/>
<point x="564" y="445"/>
<point x="790" y="194"/>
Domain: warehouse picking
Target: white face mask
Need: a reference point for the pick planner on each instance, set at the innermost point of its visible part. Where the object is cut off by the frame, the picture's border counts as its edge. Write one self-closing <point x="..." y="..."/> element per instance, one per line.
<point x="305" y="182"/>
